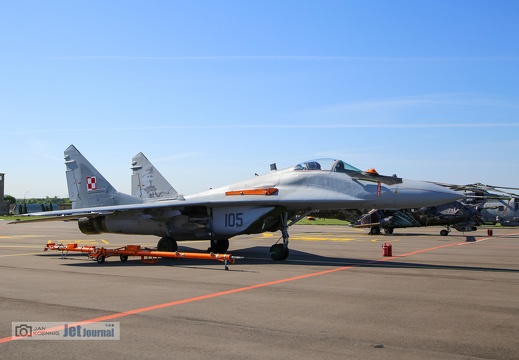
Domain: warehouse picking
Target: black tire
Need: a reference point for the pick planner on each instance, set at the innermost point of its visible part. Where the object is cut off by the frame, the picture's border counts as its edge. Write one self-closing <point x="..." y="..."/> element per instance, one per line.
<point x="444" y="232"/>
<point x="375" y="230"/>
<point x="123" y="257"/>
<point x="278" y="252"/>
<point x="100" y="259"/>
<point x="167" y="244"/>
<point x="219" y="246"/>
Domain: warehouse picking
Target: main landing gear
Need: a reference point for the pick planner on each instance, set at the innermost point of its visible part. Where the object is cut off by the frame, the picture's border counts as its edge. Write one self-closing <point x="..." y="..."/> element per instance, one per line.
<point x="167" y="243"/>
<point x="376" y="230"/>
<point x="445" y="232"/>
<point x="280" y="251"/>
<point x="218" y="246"/>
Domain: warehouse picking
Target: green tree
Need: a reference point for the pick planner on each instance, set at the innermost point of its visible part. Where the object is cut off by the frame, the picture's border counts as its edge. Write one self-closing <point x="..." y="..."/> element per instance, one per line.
<point x="10" y="199"/>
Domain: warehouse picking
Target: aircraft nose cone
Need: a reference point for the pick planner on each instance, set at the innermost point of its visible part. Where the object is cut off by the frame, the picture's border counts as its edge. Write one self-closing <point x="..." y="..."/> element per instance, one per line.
<point x="423" y="194"/>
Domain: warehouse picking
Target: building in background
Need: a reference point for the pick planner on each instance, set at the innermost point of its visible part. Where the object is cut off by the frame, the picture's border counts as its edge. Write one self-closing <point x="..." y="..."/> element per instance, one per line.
<point x="4" y="208"/>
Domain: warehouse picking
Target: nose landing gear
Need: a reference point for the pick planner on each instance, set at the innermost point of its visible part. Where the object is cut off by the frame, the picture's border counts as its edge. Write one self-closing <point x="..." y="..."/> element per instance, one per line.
<point x="280" y="251"/>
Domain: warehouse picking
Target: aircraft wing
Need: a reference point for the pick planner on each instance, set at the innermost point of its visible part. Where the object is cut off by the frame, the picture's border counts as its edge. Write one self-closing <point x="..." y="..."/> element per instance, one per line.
<point x="229" y="199"/>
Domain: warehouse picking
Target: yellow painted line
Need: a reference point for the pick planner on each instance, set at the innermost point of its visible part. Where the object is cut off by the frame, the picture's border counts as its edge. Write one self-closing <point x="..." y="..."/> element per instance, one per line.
<point x="321" y="239"/>
<point x="106" y="242"/>
<point x="19" y="246"/>
<point x="21" y="236"/>
<point x="73" y="241"/>
<point x="314" y="237"/>
<point x="21" y="254"/>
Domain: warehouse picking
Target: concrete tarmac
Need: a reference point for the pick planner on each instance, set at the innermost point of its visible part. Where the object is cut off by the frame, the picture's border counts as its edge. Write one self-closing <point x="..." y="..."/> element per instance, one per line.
<point x="335" y="297"/>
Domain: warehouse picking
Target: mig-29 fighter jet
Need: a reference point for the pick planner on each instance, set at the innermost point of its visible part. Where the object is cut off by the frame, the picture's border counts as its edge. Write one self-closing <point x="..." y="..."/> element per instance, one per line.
<point x="269" y="202"/>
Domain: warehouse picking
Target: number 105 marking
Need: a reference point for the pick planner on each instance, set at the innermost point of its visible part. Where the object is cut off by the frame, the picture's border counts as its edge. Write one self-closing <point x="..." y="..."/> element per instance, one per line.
<point x="234" y="220"/>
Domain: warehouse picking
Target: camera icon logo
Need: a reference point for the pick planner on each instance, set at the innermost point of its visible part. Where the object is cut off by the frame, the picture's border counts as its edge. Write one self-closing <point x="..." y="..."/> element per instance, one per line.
<point x="23" y="330"/>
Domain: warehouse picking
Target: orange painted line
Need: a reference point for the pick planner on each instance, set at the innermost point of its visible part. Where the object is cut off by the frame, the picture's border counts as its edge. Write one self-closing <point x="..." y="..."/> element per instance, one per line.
<point x="234" y="291"/>
<point x="488" y="238"/>
<point x="428" y="249"/>
<point x="454" y="244"/>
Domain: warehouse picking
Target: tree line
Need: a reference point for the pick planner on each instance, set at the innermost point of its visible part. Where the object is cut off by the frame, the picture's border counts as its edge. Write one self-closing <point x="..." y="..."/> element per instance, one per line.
<point x="47" y="203"/>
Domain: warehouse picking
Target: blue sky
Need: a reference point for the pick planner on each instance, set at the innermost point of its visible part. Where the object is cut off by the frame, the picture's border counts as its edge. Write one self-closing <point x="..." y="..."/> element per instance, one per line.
<point x="214" y="91"/>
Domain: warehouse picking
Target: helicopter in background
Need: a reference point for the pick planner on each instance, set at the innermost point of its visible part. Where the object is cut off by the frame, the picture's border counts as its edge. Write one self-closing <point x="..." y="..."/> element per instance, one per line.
<point x="498" y="206"/>
<point x="483" y="204"/>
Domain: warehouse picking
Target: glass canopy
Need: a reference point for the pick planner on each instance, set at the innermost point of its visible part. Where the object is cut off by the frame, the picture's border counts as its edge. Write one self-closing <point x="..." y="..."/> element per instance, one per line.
<point x="326" y="165"/>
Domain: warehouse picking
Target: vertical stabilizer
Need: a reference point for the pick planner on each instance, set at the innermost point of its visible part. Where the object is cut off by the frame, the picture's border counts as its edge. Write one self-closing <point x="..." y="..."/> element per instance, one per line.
<point x="87" y="187"/>
<point x="148" y="183"/>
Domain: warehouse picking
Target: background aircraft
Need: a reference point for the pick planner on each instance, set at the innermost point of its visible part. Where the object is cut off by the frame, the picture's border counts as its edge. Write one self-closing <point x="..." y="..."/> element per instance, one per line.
<point x="497" y="204"/>
<point x="463" y="217"/>
<point x="504" y="212"/>
<point x="483" y="204"/>
<point x="269" y="202"/>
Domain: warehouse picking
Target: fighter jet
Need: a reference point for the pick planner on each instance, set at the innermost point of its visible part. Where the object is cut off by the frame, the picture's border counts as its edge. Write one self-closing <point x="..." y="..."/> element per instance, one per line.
<point x="270" y="202"/>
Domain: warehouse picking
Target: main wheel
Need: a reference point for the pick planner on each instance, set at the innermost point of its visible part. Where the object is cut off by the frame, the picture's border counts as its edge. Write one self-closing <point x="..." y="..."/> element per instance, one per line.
<point x="278" y="252"/>
<point x="123" y="257"/>
<point x="375" y="230"/>
<point x="167" y="244"/>
<point x="100" y="259"/>
<point x="219" y="246"/>
<point x="444" y="232"/>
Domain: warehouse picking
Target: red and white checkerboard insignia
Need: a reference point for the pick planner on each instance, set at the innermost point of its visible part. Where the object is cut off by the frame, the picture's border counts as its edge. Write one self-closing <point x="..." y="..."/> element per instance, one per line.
<point x="91" y="183"/>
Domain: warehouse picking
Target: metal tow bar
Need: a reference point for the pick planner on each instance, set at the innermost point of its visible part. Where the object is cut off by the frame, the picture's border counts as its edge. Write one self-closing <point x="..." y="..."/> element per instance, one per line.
<point x="99" y="254"/>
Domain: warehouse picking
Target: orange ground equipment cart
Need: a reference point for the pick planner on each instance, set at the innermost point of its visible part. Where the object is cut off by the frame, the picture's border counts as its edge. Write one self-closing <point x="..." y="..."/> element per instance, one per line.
<point x="151" y="256"/>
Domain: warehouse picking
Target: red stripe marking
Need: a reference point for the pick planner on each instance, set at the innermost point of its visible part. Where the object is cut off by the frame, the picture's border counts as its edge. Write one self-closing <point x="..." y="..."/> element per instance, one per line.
<point x="429" y="249"/>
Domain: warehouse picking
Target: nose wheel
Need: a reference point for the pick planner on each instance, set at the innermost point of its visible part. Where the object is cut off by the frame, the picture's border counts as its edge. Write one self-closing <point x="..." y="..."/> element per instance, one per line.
<point x="280" y="251"/>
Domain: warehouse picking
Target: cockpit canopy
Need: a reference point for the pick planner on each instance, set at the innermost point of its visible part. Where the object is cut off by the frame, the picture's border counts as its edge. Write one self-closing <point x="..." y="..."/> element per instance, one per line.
<point x="343" y="167"/>
<point x="326" y="165"/>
